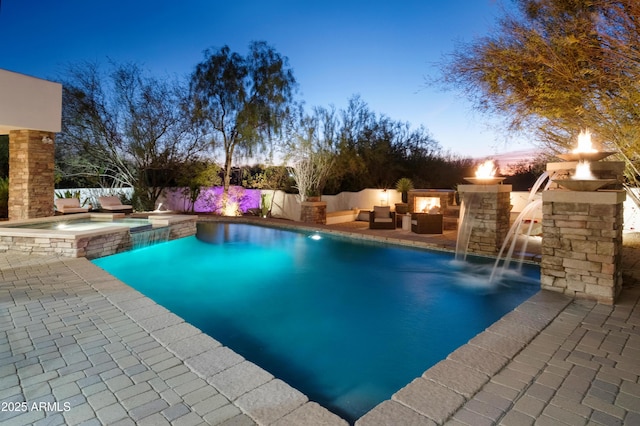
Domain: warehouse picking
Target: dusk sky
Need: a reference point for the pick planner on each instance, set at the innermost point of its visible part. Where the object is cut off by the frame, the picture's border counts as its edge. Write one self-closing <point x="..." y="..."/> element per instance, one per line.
<point x="381" y="50"/>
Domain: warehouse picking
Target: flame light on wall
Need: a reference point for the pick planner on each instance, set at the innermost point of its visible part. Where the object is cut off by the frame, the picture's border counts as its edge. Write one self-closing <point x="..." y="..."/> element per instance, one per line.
<point x="427" y="205"/>
<point x="384" y="197"/>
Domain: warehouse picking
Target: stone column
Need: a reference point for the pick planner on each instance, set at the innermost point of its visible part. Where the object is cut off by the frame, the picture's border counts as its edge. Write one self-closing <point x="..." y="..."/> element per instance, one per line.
<point x="488" y="207"/>
<point x="31" y="174"/>
<point x="313" y="212"/>
<point x="582" y="243"/>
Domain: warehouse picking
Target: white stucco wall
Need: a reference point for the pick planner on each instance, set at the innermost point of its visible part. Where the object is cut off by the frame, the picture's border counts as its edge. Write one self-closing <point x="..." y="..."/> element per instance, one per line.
<point x="29" y="103"/>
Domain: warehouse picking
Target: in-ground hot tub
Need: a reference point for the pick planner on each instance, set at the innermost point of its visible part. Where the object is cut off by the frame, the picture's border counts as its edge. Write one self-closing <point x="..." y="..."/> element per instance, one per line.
<point x="91" y="235"/>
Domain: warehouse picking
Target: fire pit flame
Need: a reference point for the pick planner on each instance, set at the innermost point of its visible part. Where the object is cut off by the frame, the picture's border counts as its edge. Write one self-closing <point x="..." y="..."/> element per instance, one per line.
<point x="583" y="171"/>
<point x="583" y="179"/>
<point x="486" y="170"/>
<point x="585" y="151"/>
<point x="485" y="174"/>
<point x="584" y="143"/>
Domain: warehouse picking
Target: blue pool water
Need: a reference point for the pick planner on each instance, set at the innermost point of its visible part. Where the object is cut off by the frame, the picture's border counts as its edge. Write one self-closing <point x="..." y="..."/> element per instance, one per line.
<point x="347" y="323"/>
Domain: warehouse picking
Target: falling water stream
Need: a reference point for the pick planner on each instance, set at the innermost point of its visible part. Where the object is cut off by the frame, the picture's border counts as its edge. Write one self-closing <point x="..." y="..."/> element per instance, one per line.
<point x="147" y="237"/>
<point x="505" y="255"/>
<point x="503" y="263"/>
<point x="466" y="226"/>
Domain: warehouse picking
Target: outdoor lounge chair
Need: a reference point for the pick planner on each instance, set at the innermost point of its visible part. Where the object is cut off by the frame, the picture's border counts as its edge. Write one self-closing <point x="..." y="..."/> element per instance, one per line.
<point x="69" y="205"/>
<point x="112" y="204"/>
<point x="381" y="217"/>
<point x="426" y="223"/>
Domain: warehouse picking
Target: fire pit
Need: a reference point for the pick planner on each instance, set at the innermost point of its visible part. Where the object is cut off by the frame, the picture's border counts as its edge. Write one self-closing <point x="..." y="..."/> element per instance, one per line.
<point x="485" y="175"/>
<point x="583" y="179"/>
<point x="584" y="184"/>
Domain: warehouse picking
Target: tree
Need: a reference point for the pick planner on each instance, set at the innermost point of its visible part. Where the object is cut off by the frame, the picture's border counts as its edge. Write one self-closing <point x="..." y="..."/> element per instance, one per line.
<point x="126" y="129"/>
<point x="375" y="151"/>
<point x="310" y="153"/>
<point x="554" y="67"/>
<point x="241" y="101"/>
<point x="196" y="175"/>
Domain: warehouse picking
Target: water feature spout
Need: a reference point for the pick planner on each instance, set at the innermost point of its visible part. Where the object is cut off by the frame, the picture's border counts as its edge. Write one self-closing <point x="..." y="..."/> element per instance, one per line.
<point x="503" y="262"/>
<point x="465" y="227"/>
<point x="148" y="237"/>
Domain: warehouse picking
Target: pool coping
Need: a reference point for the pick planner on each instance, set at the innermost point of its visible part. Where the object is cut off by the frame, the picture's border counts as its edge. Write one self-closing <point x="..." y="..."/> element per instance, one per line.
<point x="434" y="397"/>
<point x="451" y="382"/>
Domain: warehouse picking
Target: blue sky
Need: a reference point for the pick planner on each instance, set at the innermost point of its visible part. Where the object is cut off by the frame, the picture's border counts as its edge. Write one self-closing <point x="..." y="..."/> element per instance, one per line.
<point x="381" y="50"/>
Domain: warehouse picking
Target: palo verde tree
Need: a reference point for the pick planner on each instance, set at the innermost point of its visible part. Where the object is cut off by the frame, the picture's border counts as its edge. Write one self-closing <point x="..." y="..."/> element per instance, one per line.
<point x="125" y="128"/>
<point x="554" y="67"/>
<point x="241" y="101"/>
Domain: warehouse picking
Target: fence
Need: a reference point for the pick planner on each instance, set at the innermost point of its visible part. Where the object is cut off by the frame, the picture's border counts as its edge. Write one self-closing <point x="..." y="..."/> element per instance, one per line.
<point x="286" y="206"/>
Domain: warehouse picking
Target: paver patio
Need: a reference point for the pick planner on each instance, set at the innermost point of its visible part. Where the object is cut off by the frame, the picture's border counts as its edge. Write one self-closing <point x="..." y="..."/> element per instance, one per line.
<point x="88" y="349"/>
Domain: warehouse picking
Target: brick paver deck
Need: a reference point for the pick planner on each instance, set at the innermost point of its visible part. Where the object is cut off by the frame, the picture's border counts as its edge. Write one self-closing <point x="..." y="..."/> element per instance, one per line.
<point x="80" y="347"/>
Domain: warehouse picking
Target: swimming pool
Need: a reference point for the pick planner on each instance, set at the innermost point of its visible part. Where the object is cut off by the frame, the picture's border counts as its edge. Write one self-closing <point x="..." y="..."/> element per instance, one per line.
<point x="347" y="323"/>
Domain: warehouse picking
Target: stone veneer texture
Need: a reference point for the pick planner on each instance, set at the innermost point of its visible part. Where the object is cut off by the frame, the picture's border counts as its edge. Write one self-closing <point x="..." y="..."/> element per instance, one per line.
<point x="313" y="212"/>
<point x="91" y="246"/>
<point x="31" y="174"/>
<point x="489" y="209"/>
<point x="582" y="244"/>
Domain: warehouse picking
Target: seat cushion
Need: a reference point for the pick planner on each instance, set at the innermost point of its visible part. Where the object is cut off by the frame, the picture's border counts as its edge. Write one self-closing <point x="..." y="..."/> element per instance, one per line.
<point x="381" y="211"/>
<point x="383" y="220"/>
<point x="109" y="201"/>
<point x="66" y="203"/>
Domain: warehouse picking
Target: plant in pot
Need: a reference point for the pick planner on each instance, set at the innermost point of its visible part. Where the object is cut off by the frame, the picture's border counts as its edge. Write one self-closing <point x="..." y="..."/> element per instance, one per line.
<point x="403" y="185"/>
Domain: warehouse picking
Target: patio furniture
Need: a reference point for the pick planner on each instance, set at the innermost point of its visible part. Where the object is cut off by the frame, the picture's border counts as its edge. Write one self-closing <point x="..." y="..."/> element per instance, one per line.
<point x="381" y="217"/>
<point x="69" y="205"/>
<point x="425" y="223"/>
<point x="112" y="204"/>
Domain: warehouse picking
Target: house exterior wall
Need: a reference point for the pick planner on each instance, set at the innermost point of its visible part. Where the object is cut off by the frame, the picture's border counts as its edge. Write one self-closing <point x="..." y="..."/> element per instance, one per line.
<point x="29" y="103"/>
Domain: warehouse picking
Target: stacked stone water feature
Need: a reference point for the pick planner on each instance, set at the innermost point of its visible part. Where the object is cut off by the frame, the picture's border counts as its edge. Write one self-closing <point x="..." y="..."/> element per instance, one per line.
<point x="582" y="228"/>
<point x="487" y="204"/>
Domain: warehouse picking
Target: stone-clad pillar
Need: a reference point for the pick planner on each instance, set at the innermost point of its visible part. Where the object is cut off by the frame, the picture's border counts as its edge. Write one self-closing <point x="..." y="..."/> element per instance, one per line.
<point x="31" y="174"/>
<point x="313" y="212"/>
<point x="488" y="207"/>
<point x="582" y="243"/>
